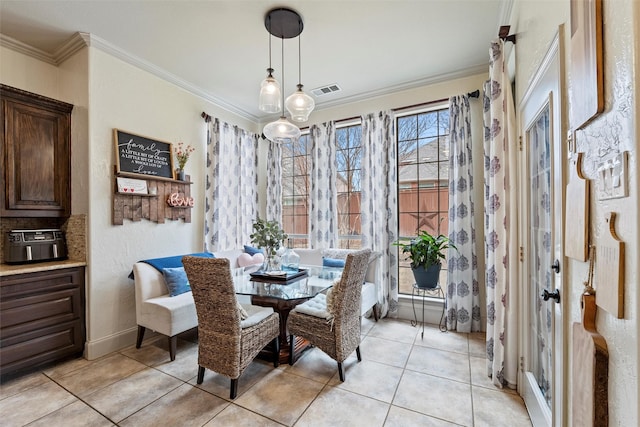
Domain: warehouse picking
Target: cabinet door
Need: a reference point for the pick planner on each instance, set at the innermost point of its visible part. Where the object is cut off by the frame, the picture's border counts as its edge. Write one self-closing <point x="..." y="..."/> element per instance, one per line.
<point x="36" y="156"/>
<point x="41" y="318"/>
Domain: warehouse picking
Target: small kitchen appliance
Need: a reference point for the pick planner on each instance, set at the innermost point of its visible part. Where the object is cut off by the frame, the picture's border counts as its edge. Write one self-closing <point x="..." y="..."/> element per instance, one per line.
<point x="26" y="246"/>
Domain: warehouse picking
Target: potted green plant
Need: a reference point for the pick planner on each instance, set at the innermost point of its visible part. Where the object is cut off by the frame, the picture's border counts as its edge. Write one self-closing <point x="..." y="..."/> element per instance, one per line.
<point x="268" y="235"/>
<point x="426" y="253"/>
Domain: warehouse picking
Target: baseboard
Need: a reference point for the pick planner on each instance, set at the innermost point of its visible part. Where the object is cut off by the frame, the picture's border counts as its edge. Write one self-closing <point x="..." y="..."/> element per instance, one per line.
<point x="103" y="346"/>
<point x="432" y="310"/>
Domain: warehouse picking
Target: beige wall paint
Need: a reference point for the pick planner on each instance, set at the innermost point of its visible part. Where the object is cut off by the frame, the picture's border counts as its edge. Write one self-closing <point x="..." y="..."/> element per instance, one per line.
<point x="30" y="74"/>
<point x="108" y="93"/>
<point x="125" y="97"/>
<point x="614" y="130"/>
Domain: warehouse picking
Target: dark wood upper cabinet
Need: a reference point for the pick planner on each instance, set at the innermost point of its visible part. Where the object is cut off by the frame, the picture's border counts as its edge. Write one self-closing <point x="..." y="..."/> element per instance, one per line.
<point x="36" y="155"/>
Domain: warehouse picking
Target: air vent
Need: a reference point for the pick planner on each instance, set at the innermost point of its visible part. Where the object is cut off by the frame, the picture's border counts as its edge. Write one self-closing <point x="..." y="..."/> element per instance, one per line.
<point x="326" y="90"/>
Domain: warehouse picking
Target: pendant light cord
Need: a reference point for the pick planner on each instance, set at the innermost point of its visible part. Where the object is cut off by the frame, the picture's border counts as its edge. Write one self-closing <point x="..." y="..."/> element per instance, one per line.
<point x="270" y="67"/>
<point x="282" y="91"/>
<point x="299" y="59"/>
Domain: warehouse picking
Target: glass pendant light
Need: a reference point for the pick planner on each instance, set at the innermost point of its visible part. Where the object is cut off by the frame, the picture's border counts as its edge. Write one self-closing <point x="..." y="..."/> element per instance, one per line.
<point x="299" y="104"/>
<point x="282" y="130"/>
<point x="269" y="90"/>
<point x="270" y="94"/>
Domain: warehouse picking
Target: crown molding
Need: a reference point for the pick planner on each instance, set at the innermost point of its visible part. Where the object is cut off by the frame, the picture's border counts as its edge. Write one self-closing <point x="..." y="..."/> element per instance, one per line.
<point x="25" y="49"/>
<point x="80" y="40"/>
<point x="61" y="54"/>
<point x="70" y="47"/>
<point x="147" y="66"/>
<point x="414" y="84"/>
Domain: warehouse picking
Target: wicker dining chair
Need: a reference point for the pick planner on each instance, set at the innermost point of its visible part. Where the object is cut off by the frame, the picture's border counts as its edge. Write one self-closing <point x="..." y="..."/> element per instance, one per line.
<point x="226" y="343"/>
<point x="338" y="332"/>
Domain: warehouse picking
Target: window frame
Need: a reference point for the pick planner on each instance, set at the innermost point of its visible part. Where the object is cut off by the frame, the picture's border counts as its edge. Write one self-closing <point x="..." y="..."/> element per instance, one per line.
<point x="439" y="183"/>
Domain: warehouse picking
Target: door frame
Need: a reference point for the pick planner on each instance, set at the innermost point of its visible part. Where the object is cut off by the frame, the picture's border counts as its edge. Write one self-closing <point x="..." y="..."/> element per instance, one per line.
<point x="547" y="86"/>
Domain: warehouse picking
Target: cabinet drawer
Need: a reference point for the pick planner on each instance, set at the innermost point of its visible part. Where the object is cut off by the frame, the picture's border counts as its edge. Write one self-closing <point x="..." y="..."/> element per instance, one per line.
<point x="41" y="318"/>
<point x="26" y="285"/>
<point x="41" y="346"/>
<point x="24" y="314"/>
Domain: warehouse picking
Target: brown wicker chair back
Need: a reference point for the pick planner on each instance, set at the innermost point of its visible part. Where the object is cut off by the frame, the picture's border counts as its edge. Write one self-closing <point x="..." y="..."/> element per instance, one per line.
<point x="340" y="336"/>
<point x="223" y="345"/>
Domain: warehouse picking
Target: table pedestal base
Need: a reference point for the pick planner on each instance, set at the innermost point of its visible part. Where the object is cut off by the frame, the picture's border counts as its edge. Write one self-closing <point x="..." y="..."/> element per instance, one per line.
<point x="283" y="308"/>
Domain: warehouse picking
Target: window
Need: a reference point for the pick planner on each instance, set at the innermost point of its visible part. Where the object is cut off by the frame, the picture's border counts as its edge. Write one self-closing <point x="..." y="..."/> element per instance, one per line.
<point x="348" y="183"/>
<point x="423" y="181"/>
<point x="296" y="167"/>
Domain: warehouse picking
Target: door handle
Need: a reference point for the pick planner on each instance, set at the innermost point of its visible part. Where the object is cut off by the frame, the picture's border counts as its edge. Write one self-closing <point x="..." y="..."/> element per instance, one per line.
<point x="555" y="295"/>
<point x="556" y="266"/>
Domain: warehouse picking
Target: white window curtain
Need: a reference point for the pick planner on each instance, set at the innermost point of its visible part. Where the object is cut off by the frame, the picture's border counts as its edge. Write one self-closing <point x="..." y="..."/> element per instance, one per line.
<point x="323" y="200"/>
<point x="500" y="208"/>
<point x="274" y="182"/>
<point x="231" y="188"/>
<point x="463" y="293"/>
<point x="379" y="204"/>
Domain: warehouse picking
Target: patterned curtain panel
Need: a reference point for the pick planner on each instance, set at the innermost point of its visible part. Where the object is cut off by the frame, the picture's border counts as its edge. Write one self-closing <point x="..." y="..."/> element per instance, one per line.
<point x="379" y="204"/>
<point x="463" y="293"/>
<point x="323" y="212"/>
<point x="274" y="182"/>
<point x="500" y="208"/>
<point x="231" y="188"/>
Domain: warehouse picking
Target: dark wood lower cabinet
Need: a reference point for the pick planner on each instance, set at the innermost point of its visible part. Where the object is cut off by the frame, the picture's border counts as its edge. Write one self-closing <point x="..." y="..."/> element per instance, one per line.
<point x="41" y="318"/>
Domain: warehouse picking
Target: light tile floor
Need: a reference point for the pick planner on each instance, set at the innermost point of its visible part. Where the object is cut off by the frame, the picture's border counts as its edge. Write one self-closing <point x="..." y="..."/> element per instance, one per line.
<point x="403" y="380"/>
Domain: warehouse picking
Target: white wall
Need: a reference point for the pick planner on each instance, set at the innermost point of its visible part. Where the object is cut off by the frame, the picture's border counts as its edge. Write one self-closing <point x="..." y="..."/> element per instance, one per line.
<point x="108" y="93"/>
<point x="125" y="97"/>
<point x="615" y="129"/>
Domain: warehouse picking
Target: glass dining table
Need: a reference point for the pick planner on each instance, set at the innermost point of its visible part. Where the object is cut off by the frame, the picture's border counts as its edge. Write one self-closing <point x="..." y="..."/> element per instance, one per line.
<point x="283" y="291"/>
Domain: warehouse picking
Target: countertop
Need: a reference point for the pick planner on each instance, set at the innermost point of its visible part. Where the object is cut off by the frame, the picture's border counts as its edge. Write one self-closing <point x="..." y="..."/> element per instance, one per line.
<point x="11" y="269"/>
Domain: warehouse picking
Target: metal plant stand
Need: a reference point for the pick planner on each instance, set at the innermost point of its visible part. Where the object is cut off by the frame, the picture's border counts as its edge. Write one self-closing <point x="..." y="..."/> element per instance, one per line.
<point x="426" y="292"/>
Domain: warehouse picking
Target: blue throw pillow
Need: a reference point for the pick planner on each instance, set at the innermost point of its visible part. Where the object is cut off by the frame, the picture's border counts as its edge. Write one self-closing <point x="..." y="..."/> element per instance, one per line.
<point x="176" y="280"/>
<point x="333" y="262"/>
<point x="331" y="268"/>
<point x="252" y="251"/>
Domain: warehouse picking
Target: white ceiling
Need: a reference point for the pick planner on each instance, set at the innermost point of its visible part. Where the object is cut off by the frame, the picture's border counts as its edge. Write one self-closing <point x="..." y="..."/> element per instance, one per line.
<point x="219" y="48"/>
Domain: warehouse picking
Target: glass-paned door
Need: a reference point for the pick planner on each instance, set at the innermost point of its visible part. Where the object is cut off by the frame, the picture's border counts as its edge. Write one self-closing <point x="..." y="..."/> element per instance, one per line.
<point x="538" y="136"/>
<point x="542" y="182"/>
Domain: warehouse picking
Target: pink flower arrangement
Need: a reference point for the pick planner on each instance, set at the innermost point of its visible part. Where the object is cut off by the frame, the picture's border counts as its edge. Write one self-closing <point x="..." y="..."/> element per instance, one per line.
<point x="182" y="154"/>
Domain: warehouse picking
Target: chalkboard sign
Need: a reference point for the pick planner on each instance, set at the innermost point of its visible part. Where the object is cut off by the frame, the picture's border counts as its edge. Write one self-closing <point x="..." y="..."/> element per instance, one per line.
<point x="141" y="155"/>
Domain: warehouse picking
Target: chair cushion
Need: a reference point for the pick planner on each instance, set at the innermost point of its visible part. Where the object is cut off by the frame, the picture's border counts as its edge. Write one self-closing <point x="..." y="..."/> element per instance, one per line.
<point x="329" y="300"/>
<point x="316" y="306"/>
<point x="176" y="280"/>
<point x="242" y="312"/>
<point x="256" y="315"/>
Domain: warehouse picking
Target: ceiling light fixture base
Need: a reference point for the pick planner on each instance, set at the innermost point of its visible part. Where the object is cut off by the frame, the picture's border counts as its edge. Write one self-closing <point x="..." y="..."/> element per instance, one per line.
<point x="283" y="23"/>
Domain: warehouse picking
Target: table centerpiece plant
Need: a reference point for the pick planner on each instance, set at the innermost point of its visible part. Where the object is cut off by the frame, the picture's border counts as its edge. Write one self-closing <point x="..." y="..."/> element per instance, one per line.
<point x="426" y="253"/>
<point x="269" y="236"/>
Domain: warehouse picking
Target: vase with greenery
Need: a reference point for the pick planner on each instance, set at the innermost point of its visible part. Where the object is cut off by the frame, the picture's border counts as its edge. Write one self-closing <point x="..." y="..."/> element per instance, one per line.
<point x="426" y="253"/>
<point x="269" y="236"/>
